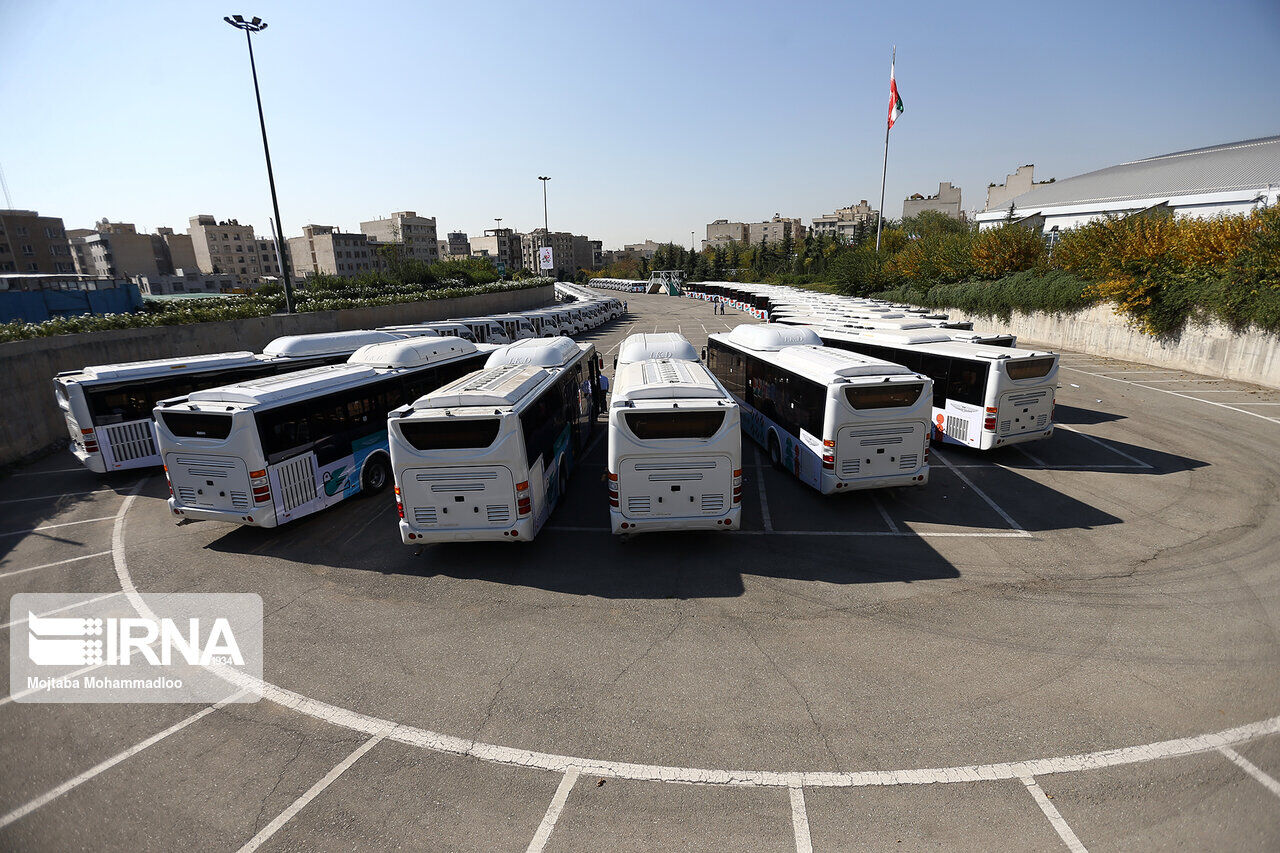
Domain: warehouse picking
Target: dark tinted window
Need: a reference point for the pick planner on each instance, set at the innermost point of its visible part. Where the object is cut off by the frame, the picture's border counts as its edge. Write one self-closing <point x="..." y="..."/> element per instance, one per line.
<point x="1028" y="368"/>
<point x="657" y="425"/>
<point x="968" y="381"/>
<point x="450" y="433"/>
<point x="883" y="396"/>
<point x="197" y="424"/>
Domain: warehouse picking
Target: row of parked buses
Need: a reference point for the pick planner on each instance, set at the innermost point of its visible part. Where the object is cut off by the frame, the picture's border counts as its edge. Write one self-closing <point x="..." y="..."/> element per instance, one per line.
<point x="986" y="392"/>
<point x="109" y="408"/>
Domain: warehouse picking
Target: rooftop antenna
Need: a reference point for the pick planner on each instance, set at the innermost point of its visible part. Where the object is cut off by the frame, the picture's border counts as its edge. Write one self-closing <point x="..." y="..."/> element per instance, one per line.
<point x="8" y="202"/>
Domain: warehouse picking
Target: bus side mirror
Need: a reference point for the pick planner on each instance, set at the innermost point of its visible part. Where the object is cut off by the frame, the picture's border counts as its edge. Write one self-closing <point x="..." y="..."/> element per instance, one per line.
<point x="704" y="353"/>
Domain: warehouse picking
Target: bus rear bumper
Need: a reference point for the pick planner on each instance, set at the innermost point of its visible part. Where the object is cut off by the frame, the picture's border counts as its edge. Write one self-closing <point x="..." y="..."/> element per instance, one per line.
<point x="1022" y="438"/>
<point x="518" y="531"/>
<point x="263" y="516"/>
<point x="919" y="477"/>
<point x="731" y="520"/>
<point x="95" y="462"/>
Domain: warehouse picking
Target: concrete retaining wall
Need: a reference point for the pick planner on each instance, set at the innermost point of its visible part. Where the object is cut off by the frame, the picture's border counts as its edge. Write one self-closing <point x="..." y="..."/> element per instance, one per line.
<point x="32" y="421"/>
<point x="1211" y="349"/>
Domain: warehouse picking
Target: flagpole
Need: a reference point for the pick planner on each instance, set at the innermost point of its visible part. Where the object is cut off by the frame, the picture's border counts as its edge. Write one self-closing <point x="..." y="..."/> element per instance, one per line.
<point x="885" y="170"/>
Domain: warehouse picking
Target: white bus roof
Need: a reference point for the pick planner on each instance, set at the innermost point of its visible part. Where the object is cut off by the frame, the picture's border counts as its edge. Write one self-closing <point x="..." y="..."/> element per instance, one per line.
<point x="412" y="352"/>
<point x="650" y="345"/>
<point x="947" y="346"/>
<point x="165" y="366"/>
<point x="324" y="343"/>
<point x="398" y="332"/>
<point x="664" y="378"/>
<point x="538" y="352"/>
<point x="285" y="386"/>
<point x="827" y="364"/>
<point x="501" y="387"/>
<point x="765" y="337"/>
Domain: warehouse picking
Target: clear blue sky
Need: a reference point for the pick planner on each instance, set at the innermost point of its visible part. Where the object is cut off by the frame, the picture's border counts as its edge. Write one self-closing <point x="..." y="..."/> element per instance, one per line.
<point x="652" y="118"/>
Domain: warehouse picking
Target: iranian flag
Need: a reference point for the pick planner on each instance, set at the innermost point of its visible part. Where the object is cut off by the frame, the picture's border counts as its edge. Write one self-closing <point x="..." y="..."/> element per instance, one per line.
<point x="895" y="100"/>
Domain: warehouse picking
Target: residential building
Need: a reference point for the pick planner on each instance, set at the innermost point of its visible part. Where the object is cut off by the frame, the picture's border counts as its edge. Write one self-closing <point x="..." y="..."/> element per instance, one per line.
<point x="846" y="222"/>
<point x="79" y="253"/>
<point x="585" y="255"/>
<point x="722" y="232"/>
<point x="775" y="230"/>
<point x="416" y="234"/>
<point x="645" y="250"/>
<point x="31" y="243"/>
<point x="1231" y="178"/>
<point x="185" y="281"/>
<point x="442" y="249"/>
<point x="179" y="249"/>
<point x="459" y="247"/>
<point x="946" y="202"/>
<point x="561" y="243"/>
<point x="324" y="250"/>
<point x="230" y="247"/>
<point x="116" y="249"/>
<point x="500" y="245"/>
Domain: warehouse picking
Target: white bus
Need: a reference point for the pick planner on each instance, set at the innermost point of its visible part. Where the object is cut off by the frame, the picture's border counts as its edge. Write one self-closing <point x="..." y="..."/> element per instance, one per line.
<point x="108" y="407"/>
<point x="837" y="420"/>
<point x="675" y="449"/>
<point x="983" y="396"/>
<point x="644" y="346"/>
<point x="267" y="451"/>
<point x="517" y="326"/>
<point x="485" y="329"/>
<point x="488" y="456"/>
<point x="545" y="323"/>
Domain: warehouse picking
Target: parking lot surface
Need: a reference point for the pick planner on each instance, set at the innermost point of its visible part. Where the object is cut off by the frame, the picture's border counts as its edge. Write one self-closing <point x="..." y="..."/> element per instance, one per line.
<point x="1072" y="643"/>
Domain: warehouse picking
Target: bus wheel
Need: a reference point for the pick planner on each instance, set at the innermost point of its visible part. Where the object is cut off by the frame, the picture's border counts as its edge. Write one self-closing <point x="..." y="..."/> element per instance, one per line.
<point x="377" y="473"/>
<point x="775" y="451"/>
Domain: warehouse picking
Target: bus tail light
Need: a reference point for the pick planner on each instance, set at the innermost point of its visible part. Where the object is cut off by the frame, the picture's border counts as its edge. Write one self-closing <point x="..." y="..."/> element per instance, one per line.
<point x="399" y="505"/>
<point x="737" y="485"/>
<point x="168" y="481"/>
<point x="989" y="422"/>
<point x="524" y="503"/>
<point x="90" y="441"/>
<point x="828" y="454"/>
<point x="260" y="485"/>
<point x="613" y="489"/>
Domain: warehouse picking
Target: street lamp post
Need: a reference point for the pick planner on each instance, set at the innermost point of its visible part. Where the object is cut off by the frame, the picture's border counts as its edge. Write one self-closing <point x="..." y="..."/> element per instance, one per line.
<point x="257" y="25"/>
<point x="546" y="229"/>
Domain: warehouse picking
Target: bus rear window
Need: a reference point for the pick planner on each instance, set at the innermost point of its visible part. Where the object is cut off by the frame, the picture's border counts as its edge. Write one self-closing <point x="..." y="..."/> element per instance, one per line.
<point x="657" y="425"/>
<point x="197" y="424"/>
<point x="1029" y="368"/>
<point x="884" y="396"/>
<point x="450" y="433"/>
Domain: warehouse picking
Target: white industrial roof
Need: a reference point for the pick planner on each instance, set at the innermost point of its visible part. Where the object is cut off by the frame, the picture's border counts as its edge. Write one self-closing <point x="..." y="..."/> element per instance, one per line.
<point x="285" y="386"/>
<point x="411" y="352"/>
<point x="166" y="366"/>
<point x="773" y="336"/>
<point x="324" y="343"/>
<point x="539" y="352"/>
<point x="827" y="365"/>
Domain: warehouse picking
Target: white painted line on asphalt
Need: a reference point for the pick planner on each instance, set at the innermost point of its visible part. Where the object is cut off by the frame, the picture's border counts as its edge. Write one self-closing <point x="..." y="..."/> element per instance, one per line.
<point x="1008" y="519"/>
<point x="543" y="834"/>
<point x="101" y="767"/>
<point x="50" y="471"/>
<point x="515" y="757"/>
<point x="884" y="514"/>
<point x="1036" y="459"/>
<point x="1252" y="769"/>
<point x="50" y="565"/>
<point x="800" y="820"/>
<point x="1127" y="372"/>
<point x="311" y="793"/>
<point x="55" y="526"/>
<point x="1166" y="381"/>
<point x="4" y="700"/>
<point x="1055" y="817"/>
<point x="1106" y="445"/>
<point x="62" y="608"/>
<point x="1173" y="393"/>
<point x="704" y="329"/>
<point x="980" y="534"/>
<point x="54" y="497"/>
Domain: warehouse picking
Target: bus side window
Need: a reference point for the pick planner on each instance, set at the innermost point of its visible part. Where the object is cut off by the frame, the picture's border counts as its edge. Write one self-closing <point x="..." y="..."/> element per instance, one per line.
<point x="937" y="368"/>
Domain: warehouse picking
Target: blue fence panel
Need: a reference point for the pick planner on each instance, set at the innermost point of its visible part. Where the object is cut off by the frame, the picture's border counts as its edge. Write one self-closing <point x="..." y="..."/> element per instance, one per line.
<point x="36" y="306"/>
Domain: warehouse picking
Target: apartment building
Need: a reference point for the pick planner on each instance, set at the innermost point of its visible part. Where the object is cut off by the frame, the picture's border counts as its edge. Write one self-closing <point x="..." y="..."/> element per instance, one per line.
<point x="499" y="244"/>
<point x="459" y="246"/>
<point x="324" y="250"/>
<point x="946" y="201"/>
<point x="31" y="243"/>
<point x="775" y="230"/>
<point x="230" y="247"/>
<point x="182" y="282"/>
<point x="416" y="234"/>
<point x="846" y="221"/>
<point x="561" y="243"/>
